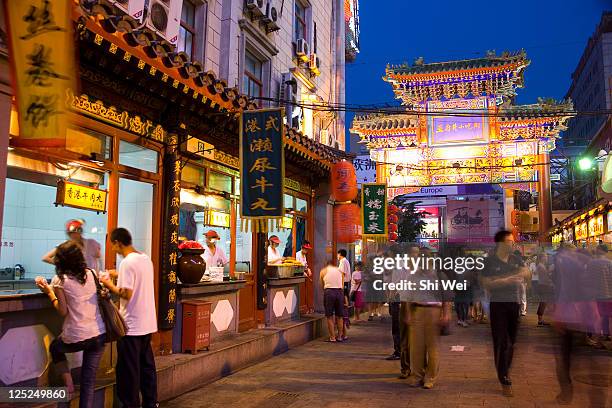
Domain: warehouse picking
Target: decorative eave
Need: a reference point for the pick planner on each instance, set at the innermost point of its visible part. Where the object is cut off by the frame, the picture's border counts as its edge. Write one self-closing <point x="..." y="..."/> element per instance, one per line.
<point x="174" y="68"/>
<point x="542" y="120"/>
<point x="492" y="75"/>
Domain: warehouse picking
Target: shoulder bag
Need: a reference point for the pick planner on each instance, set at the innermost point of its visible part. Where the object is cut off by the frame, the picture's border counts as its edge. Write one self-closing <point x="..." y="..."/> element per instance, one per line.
<point x="114" y="323"/>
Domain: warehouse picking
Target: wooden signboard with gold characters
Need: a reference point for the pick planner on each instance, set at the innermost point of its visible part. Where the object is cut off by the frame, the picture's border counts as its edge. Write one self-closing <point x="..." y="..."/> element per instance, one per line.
<point x="79" y="196"/>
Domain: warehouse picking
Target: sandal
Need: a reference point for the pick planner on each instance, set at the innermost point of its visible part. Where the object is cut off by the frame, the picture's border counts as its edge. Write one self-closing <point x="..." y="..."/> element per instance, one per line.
<point x="331" y="340"/>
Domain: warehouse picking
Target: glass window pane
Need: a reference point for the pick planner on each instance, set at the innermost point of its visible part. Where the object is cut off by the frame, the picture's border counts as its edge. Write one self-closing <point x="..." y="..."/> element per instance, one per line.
<point x="33" y="225"/>
<point x="138" y="157"/>
<point x="288" y="201"/>
<point x="302" y="205"/>
<point x="188" y="44"/>
<point x="193" y="174"/>
<point x="86" y="142"/>
<point x="136" y="212"/>
<point x="286" y="241"/>
<point x="188" y="13"/>
<point x="244" y="244"/>
<point x="300" y="232"/>
<point x="219" y="181"/>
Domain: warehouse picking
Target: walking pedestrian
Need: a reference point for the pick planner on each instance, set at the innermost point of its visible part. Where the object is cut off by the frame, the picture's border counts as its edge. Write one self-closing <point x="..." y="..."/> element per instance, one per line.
<point x="427" y="313"/>
<point x="333" y="300"/>
<point x="542" y="285"/>
<point x="345" y="268"/>
<point x="73" y="295"/>
<point x="358" y="291"/>
<point x="503" y="274"/>
<point x="135" y="363"/>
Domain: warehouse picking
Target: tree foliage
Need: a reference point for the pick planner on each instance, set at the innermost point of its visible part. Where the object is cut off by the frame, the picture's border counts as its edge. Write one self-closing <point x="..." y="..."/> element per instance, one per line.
<point x="410" y="223"/>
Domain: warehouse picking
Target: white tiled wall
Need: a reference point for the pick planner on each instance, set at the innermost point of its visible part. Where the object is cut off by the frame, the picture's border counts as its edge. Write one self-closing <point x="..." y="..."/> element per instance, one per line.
<point x="33" y="226"/>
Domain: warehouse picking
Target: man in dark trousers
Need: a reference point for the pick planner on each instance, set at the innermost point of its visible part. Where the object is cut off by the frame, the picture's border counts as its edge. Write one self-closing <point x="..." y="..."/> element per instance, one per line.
<point x="502" y="275"/>
<point x="136" y="372"/>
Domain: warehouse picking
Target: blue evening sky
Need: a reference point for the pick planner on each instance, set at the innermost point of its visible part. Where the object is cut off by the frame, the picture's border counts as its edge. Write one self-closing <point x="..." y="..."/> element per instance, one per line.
<point x="554" y="34"/>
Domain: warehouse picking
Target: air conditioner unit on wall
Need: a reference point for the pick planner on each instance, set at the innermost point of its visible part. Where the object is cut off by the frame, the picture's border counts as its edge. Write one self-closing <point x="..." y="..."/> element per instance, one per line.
<point x="163" y="17"/>
<point x="314" y="64"/>
<point x="270" y="17"/>
<point x="133" y="8"/>
<point x="302" y="49"/>
<point x="256" y="7"/>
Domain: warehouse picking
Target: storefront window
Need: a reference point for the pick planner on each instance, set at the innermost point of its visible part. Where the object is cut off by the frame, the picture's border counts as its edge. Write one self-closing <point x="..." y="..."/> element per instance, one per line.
<point x="88" y="143"/>
<point x="288" y="201"/>
<point x="136" y="212"/>
<point x="193" y="174"/>
<point x="33" y="225"/>
<point x="244" y="245"/>
<point x="286" y="241"/>
<point x="219" y="181"/>
<point x="302" y="205"/>
<point x="138" y="157"/>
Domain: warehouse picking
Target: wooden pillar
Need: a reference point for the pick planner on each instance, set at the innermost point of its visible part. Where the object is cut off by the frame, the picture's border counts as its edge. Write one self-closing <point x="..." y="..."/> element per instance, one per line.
<point x="167" y="294"/>
<point x="544" y="197"/>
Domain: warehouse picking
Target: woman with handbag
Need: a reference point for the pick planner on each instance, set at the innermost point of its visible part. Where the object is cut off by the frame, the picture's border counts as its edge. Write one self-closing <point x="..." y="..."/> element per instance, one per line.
<point x="73" y="294"/>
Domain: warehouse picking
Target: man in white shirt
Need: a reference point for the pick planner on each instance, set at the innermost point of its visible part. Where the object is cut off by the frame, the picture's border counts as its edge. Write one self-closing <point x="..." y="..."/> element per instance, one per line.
<point x="300" y="256"/>
<point x="213" y="255"/>
<point x="345" y="268"/>
<point x="135" y="363"/>
<point x="274" y="256"/>
<point x="333" y="299"/>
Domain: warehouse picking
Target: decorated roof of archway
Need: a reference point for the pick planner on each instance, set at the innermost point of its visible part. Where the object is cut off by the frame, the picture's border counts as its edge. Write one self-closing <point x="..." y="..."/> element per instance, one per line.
<point x="492" y="74"/>
<point x="459" y="124"/>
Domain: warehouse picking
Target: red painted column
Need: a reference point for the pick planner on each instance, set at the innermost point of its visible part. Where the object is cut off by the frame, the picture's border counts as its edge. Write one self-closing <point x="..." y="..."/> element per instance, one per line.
<point x="544" y="197"/>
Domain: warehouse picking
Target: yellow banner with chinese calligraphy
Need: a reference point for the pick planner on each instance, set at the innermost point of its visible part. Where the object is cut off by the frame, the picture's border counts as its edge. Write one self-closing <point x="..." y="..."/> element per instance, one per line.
<point x="262" y="169"/>
<point x="218" y="219"/>
<point x="79" y="196"/>
<point x="42" y="61"/>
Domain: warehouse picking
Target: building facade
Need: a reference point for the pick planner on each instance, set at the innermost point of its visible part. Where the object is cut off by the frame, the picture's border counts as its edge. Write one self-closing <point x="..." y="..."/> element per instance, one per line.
<point x="591" y="91"/>
<point x="280" y="53"/>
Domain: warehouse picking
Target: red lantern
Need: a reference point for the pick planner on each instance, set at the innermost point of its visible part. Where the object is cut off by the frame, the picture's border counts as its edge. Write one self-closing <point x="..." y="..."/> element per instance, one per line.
<point x="392" y="236"/>
<point x="346" y="223"/>
<point x="393" y="219"/>
<point x="393" y="209"/>
<point x="343" y="181"/>
<point x="392" y="227"/>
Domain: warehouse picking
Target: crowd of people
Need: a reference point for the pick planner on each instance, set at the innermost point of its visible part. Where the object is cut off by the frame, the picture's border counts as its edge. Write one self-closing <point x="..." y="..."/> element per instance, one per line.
<point x="570" y="287"/>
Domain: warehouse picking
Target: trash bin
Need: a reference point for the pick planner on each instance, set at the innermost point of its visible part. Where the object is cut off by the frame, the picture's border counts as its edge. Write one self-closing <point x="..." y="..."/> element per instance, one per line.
<point x="196" y="326"/>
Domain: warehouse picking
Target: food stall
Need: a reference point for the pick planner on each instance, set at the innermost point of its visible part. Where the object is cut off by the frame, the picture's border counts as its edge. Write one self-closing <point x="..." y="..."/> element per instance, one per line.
<point x="283" y="282"/>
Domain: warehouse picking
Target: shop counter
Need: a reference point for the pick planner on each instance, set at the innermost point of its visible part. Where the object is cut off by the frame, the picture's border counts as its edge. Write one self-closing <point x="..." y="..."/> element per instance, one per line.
<point x="283" y="299"/>
<point x="224" y="311"/>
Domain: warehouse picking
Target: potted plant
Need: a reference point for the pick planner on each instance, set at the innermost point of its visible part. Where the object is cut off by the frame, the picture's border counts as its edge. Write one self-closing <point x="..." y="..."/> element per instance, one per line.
<point x="191" y="265"/>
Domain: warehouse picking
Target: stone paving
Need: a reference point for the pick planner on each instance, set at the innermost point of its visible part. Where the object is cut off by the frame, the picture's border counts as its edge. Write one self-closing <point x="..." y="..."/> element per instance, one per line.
<point x="354" y="374"/>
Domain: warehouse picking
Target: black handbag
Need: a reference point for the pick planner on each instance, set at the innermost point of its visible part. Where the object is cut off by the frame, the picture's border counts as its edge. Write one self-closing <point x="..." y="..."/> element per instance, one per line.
<point x="114" y="323"/>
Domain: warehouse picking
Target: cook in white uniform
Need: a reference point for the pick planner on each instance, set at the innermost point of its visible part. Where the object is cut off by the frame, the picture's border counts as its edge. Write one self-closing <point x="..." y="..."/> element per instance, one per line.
<point x="274" y="256"/>
<point x="300" y="256"/>
<point x="213" y="255"/>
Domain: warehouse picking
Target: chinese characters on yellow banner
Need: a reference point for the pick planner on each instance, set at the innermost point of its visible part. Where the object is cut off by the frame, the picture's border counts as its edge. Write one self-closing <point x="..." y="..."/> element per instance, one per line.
<point x="79" y="196"/>
<point x="262" y="166"/>
<point x="42" y="61"/>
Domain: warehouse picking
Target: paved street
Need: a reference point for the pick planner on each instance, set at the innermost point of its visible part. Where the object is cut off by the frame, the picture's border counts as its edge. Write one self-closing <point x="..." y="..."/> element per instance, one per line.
<point x="355" y="374"/>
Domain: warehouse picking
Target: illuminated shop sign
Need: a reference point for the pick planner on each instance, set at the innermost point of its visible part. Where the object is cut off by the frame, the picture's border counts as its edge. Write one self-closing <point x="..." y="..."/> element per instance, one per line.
<point x="78" y="196"/>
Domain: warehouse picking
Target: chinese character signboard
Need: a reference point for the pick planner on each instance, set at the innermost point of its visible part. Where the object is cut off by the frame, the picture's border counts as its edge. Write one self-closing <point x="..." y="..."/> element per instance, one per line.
<point x="262" y="173"/>
<point x="169" y="261"/>
<point x="218" y="219"/>
<point x="42" y="61"/>
<point x="457" y="129"/>
<point x="79" y="196"/>
<point x="374" y="207"/>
